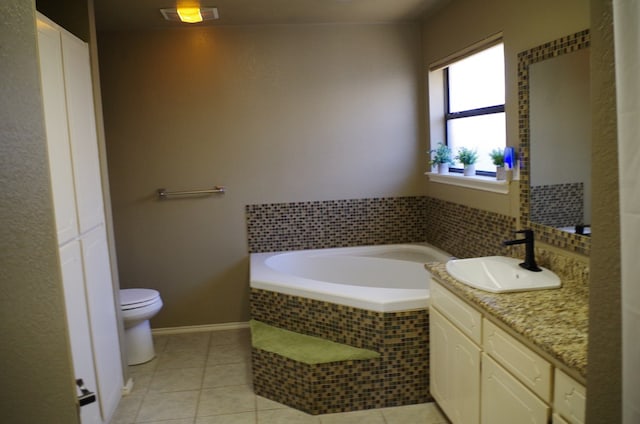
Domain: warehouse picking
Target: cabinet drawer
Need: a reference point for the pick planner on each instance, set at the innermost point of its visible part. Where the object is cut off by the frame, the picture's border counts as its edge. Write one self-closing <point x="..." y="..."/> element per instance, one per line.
<point x="569" y="399"/>
<point x="533" y="371"/>
<point x="468" y="320"/>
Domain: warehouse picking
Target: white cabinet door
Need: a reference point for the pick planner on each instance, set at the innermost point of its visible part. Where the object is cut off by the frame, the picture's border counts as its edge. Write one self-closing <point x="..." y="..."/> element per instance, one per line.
<point x="78" y="323"/>
<point x="82" y="132"/>
<point x="455" y="371"/>
<point x="570" y="398"/>
<point x="77" y="191"/>
<point x="55" y="116"/>
<point x="557" y="419"/>
<point x="506" y="401"/>
<point x="102" y="314"/>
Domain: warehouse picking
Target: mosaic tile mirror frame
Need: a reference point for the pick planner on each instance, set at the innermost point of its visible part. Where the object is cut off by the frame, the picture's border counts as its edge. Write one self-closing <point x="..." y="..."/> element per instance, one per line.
<point x="553" y="236"/>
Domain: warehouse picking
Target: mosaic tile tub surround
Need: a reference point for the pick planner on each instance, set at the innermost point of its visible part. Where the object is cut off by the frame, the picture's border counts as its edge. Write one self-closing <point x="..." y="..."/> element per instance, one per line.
<point x="460" y="230"/>
<point x="334" y="223"/>
<point x="399" y="377"/>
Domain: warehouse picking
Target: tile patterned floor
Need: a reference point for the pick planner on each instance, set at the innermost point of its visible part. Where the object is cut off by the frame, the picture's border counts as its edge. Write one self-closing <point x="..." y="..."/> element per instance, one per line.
<point x="205" y="378"/>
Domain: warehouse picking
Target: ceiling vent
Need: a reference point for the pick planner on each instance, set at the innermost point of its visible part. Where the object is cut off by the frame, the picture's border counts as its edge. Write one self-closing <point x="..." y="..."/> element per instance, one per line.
<point x="190" y="15"/>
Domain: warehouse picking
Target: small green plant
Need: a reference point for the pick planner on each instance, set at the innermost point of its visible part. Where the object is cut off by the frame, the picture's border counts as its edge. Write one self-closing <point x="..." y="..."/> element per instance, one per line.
<point x="467" y="156"/>
<point x="497" y="156"/>
<point x="441" y="155"/>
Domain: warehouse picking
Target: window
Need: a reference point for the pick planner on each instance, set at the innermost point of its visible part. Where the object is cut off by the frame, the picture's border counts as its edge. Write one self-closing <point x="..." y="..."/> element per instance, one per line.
<point x="473" y="93"/>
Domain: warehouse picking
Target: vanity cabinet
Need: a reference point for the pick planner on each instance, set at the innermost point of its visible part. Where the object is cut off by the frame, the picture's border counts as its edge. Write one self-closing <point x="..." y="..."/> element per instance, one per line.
<point x="455" y="354"/>
<point x="482" y="374"/>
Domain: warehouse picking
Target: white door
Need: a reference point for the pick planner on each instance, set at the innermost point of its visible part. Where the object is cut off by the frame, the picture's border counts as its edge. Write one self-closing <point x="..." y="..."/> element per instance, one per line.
<point x="82" y="132"/>
<point x="455" y="370"/>
<point x="55" y="114"/>
<point x="102" y="316"/>
<point x="77" y="191"/>
<point x="506" y="401"/>
<point x="78" y="323"/>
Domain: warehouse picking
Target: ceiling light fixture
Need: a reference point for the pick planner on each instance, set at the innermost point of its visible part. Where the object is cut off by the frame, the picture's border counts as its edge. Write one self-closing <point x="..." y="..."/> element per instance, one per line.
<point x="190" y="14"/>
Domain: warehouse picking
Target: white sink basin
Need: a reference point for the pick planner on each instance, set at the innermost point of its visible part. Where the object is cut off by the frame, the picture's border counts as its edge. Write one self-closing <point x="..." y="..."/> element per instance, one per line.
<point x="499" y="274"/>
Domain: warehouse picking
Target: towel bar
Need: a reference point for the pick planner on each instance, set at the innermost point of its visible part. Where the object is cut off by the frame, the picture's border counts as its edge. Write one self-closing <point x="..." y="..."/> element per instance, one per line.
<point x="164" y="194"/>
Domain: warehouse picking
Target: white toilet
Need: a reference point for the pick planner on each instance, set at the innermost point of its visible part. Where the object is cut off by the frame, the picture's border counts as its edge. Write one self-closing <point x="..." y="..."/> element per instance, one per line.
<point x="138" y="307"/>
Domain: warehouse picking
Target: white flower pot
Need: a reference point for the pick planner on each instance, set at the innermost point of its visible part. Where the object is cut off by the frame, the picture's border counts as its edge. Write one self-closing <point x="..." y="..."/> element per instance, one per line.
<point x="469" y="170"/>
<point x="443" y="168"/>
<point x="501" y="173"/>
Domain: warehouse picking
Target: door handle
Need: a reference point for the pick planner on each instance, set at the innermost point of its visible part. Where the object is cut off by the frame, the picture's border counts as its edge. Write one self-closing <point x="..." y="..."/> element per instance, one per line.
<point x="87" y="396"/>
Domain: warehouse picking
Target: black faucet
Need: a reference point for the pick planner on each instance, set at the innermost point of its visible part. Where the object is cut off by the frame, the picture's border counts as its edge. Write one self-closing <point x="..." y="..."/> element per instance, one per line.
<point x="529" y="257"/>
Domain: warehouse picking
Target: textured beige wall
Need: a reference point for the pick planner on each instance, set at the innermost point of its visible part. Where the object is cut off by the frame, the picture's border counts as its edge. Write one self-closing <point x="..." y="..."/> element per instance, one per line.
<point x="524" y="24"/>
<point x="276" y="114"/>
<point x="604" y="387"/>
<point x="35" y="364"/>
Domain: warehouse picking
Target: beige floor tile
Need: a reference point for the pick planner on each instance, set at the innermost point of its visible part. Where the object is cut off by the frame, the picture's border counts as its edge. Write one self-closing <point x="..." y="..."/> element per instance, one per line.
<point x="424" y="413"/>
<point x="159" y="342"/>
<point x="286" y="416"/>
<point x="205" y="378"/>
<point x="182" y="359"/>
<point x="141" y="382"/>
<point x="168" y="406"/>
<point x="265" y="404"/>
<point x="356" y="417"/>
<point x="173" y="380"/>
<point x="127" y="409"/>
<point x="241" y="418"/>
<point x="238" y="337"/>
<point x="226" y="400"/>
<point x="188" y="341"/>
<point x="228" y="354"/>
<point x="227" y="375"/>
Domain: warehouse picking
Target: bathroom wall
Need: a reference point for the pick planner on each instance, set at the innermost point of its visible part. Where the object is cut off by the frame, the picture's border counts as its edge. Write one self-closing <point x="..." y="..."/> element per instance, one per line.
<point x="604" y="386"/>
<point x="35" y="361"/>
<point x="277" y="114"/>
<point x="524" y="24"/>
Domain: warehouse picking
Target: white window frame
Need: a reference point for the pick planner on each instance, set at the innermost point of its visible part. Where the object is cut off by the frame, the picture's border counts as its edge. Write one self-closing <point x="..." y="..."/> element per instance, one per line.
<point x="438" y="102"/>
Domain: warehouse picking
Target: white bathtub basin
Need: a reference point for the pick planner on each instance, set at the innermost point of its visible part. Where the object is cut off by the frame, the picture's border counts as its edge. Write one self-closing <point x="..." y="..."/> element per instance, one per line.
<point x="499" y="274"/>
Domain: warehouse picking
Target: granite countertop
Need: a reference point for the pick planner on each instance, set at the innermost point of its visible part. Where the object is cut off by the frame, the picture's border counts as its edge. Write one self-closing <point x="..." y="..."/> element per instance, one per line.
<point x="554" y="321"/>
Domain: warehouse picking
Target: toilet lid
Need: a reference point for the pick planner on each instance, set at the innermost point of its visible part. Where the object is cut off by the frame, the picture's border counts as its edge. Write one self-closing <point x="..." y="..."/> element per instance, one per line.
<point x="136" y="298"/>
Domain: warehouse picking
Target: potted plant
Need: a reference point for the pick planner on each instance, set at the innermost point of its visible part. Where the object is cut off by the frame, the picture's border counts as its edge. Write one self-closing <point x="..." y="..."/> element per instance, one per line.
<point x="441" y="158"/>
<point x="468" y="158"/>
<point x="497" y="157"/>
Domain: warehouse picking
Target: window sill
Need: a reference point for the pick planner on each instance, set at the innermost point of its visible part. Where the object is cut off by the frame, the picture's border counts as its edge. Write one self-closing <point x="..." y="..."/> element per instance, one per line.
<point x="476" y="182"/>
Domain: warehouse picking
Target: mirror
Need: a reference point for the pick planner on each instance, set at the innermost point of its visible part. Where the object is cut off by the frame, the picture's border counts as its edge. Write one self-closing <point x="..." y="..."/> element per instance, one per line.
<point x="555" y="141"/>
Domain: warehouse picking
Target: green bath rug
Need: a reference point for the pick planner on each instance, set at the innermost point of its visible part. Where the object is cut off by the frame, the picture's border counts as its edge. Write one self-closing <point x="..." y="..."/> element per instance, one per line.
<point x="303" y="348"/>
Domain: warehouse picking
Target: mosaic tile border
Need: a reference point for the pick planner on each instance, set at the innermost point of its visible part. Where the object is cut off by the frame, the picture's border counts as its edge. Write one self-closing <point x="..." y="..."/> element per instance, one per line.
<point x="567" y="200"/>
<point x="334" y="223"/>
<point x="467" y="232"/>
<point x="572" y="242"/>
<point x="458" y="229"/>
<point x="401" y="374"/>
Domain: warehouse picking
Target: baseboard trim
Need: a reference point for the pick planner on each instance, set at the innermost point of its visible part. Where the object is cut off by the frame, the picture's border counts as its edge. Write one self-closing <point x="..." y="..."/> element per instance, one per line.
<point x="128" y="388"/>
<point x="199" y="328"/>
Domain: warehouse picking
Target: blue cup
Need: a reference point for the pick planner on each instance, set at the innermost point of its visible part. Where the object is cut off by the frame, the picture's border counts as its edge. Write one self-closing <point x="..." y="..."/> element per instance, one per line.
<point x="509" y="157"/>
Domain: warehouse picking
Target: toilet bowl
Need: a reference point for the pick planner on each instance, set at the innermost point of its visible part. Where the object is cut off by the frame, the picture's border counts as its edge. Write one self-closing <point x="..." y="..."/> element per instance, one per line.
<point x="138" y="307"/>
